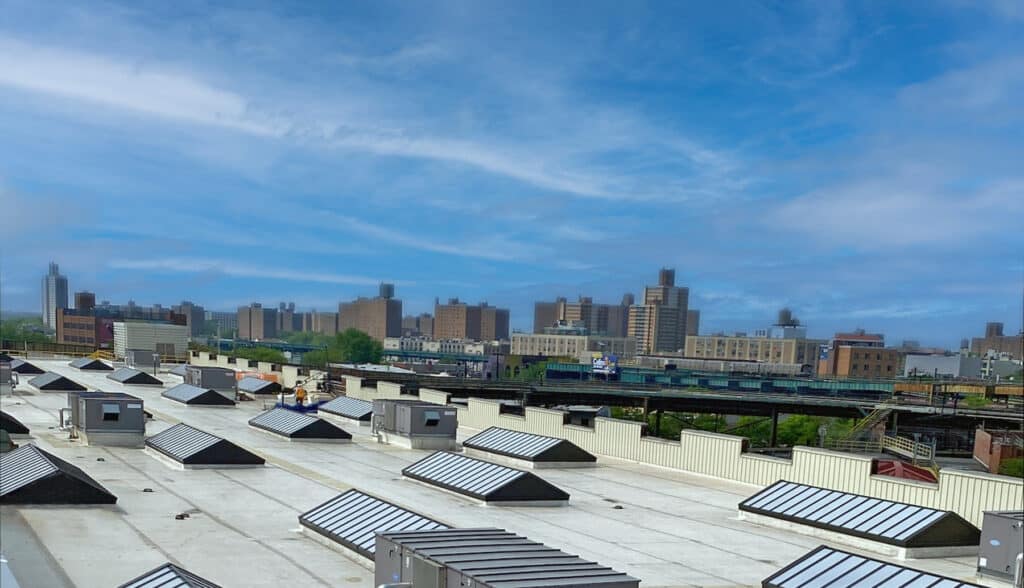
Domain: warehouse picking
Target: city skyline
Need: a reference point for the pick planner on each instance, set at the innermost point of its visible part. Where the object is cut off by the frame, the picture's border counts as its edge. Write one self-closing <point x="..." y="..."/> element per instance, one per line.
<point x="853" y="164"/>
<point x="519" y="325"/>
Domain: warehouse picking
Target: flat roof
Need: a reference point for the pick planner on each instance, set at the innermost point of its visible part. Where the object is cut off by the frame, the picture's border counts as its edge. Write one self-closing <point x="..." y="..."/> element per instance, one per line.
<point x="665" y="527"/>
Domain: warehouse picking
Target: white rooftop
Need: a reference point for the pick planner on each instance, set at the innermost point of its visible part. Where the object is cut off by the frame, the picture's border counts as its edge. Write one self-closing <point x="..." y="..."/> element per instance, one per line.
<point x="665" y="527"/>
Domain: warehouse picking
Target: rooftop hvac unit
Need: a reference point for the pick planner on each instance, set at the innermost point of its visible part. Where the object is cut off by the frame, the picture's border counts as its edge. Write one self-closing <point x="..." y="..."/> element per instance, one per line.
<point x="414" y="424"/>
<point x="1001" y="553"/>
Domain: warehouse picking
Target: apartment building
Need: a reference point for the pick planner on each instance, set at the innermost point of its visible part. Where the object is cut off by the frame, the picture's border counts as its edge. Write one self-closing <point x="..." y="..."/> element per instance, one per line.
<point x="599" y="319"/>
<point x="659" y="324"/>
<point x="85" y="300"/>
<point x="256" y="323"/>
<point x="378" y="317"/>
<point x="859" y="355"/>
<point x="195" y="316"/>
<point x="325" y="323"/>
<point x="227" y="322"/>
<point x="692" y="322"/>
<point x="759" y="349"/>
<point x="445" y="346"/>
<point x="288" y="320"/>
<point x="996" y="343"/>
<point x="83" y="327"/>
<point x="457" y="320"/>
<point x="580" y="346"/>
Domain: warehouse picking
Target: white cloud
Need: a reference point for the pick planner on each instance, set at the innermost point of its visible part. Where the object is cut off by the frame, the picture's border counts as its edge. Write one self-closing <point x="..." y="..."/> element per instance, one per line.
<point x="979" y="90"/>
<point x="578" y="233"/>
<point x="139" y="87"/>
<point x="241" y="270"/>
<point x="492" y="247"/>
<point x="558" y="160"/>
<point x="901" y="211"/>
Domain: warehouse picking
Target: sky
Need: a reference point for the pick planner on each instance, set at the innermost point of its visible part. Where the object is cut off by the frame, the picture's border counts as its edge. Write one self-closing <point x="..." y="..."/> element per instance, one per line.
<point x="860" y="163"/>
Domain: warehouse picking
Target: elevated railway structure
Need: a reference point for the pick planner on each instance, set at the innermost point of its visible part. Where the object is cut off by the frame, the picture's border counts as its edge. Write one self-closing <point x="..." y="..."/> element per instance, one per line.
<point x="911" y="406"/>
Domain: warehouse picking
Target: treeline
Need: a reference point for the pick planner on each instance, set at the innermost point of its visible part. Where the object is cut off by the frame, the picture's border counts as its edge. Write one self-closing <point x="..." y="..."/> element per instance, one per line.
<point x="351" y="346"/>
<point x="792" y="429"/>
<point x="24" y="330"/>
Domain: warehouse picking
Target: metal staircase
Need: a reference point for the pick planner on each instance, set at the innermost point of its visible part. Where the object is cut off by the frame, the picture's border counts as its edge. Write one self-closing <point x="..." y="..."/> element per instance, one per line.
<point x="873" y="418"/>
<point x="860" y="439"/>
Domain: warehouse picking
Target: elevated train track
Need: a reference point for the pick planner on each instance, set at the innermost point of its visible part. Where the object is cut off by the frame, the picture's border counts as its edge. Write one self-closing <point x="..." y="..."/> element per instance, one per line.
<point x="763" y="401"/>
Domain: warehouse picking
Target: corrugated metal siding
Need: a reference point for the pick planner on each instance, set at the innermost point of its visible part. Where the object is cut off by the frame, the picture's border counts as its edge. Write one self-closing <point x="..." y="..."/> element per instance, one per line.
<point x="433" y="396"/>
<point x="968" y="494"/>
<point x="388" y="390"/>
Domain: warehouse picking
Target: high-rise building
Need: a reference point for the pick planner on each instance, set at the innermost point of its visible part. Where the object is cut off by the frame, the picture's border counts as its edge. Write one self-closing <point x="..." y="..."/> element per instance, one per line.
<point x="85" y="301"/>
<point x="195" y="316"/>
<point x="659" y="324"/>
<point x="546" y="314"/>
<point x="997" y="344"/>
<point x="287" y="319"/>
<point x="494" y="323"/>
<point x="256" y="323"/>
<point x="425" y="322"/>
<point x="55" y="295"/>
<point x="227" y="322"/>
<point x="325" y="323"/>
<point x="458" y="320"/>
<point x="418" y="326"/>
<point x="692" y="322"/>
<point x="598" y="319"/>
<point x="378" y="317"/>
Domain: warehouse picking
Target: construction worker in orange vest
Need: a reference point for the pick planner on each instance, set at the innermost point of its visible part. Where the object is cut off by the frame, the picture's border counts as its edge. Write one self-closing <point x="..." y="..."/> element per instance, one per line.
<point x="300" y="396"/>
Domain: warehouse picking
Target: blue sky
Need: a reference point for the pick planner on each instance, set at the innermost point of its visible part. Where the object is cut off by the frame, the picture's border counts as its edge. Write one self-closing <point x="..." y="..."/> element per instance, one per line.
<point x="858" y="162"/>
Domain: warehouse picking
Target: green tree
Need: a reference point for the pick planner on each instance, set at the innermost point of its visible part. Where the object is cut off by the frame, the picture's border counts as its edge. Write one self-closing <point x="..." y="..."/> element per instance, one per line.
<point x="28" y="330"/>
<point x="1012" y="467"/>
<point x="260" y="354"/>
<point x="308" y="338"/>
<point x="351" y="346"/>
<point x="799" y="429"/>
<point x="757" y="430"/>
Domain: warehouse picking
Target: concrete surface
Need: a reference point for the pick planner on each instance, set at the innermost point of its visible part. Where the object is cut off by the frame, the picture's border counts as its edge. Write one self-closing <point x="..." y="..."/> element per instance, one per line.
<point x="667" y="528"/>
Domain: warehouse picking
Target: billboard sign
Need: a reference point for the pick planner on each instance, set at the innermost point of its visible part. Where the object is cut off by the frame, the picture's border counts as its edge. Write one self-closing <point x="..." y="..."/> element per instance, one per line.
<point x="605" y="364"/>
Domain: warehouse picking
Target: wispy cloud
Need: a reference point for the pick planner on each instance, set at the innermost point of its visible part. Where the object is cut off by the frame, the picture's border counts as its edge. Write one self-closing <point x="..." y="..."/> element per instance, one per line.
<point x="578" y="233"/>
<point x="242" y="270"/>
<point x="141" y="88"/>
<point x="153" y="89"/>
<point x="491" y="247"/>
